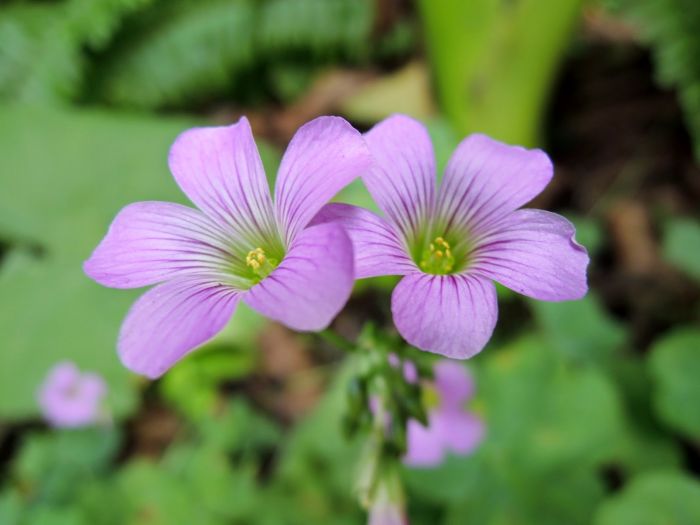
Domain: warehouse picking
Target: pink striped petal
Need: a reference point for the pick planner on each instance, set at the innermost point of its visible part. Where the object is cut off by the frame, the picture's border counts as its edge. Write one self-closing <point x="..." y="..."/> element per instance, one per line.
<point x="402" y="181"/>
<point x="324" y="156"/>
<point x="150" y="242"/>
<point x="534" y="253"/>
<point x="220" y="170"/>
<point x="311" y="284"/>
<point x="172" y="319"/>
<point x="452" y="315"/>
<point x="486" y="179"/>
<point x="378" y="250"/>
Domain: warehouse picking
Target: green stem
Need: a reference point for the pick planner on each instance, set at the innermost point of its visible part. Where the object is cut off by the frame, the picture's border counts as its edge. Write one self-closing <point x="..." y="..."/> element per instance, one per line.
<point x="334" y="338"/>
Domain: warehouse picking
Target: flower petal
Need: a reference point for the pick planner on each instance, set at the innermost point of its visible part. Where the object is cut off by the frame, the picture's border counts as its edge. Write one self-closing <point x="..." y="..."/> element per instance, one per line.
<point x="170" y="320"/>
<point x="534" y="253"/>
<point x="311" y="284"/>
<point x="220" y="170"/>
<point x="453" y="383"/>
<point x="460" y="431"/>
<point x="402" y="180"/>
<point x="425" y="446"/>
<point x="150" y="242"/>
<point x="486" y="179"/>
<point x="324" y="156"/>
<point x="378" y="250"/>
<point x="452" y="315"/>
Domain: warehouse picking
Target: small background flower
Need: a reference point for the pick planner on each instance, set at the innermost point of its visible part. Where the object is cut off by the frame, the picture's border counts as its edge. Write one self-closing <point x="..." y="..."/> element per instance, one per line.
<point x="70" y="398"/>
<point x="451" y="428"/>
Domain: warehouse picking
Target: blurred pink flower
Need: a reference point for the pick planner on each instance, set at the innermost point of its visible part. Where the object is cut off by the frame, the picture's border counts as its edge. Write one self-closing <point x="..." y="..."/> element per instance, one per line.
<point x="69" y="398"/>
<point x="450" y="427"/>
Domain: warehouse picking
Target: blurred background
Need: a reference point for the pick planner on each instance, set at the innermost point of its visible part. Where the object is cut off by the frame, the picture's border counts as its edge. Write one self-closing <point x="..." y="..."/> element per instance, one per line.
<point x="592" y="408"/>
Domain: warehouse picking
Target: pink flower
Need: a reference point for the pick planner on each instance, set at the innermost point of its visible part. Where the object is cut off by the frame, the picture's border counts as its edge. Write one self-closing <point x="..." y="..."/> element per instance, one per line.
<point x="450" y="243"/>
<point x="241" y="246"/>
<point x="70" y="399"/>
<point x="450" y="427"/>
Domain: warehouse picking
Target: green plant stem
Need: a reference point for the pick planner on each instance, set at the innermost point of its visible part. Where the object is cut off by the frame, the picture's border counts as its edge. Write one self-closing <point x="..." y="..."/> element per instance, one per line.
<point x="334" y="338"/>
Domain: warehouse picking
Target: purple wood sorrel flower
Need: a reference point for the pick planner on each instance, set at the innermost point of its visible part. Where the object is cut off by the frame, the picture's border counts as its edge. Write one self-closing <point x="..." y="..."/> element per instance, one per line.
<point x="69" y="398"/>
<point x="240" y="246"/>
<point x="451" y="242"/>
<point x="451" y="428"/>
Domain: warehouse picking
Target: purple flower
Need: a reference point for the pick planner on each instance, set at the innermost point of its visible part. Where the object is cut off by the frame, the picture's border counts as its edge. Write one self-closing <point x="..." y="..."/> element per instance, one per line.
<point x="240" y="246"/>
<point x="70" y="399"/>
<point x="451" y="242"/>
<point x="450" y="427"/>
<point x="385" y="512"/>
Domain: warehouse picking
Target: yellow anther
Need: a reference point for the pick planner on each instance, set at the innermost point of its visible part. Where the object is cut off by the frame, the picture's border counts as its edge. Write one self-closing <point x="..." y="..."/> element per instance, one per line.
<point x="255" y="258"/>
<point x="437" y="258"/>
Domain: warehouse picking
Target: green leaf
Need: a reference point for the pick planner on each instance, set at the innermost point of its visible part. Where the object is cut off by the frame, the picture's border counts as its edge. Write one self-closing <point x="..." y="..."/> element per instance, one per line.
<point x="654" y="499"/>
<point x="51" y="468"/>
<point x="180" y="52"/>
<point x="675" y="368"/>
<point x="493" y="72"/>
<point x="682" y="245"/>
<point x="550" y="426"/>
<point x="581" y="330"/>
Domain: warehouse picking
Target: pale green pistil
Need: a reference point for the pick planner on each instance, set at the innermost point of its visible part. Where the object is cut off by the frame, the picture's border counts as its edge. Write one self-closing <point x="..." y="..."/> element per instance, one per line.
<point x="260" y="264"/>
<point x="437" y="258"/>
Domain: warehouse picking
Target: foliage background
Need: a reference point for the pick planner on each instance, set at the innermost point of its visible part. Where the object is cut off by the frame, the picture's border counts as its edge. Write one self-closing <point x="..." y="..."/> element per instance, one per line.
<point x="592" y="407"/>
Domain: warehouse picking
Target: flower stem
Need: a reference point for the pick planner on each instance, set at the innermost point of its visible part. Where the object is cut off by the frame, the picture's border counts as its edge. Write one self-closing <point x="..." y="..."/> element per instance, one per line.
<point x="334" y="338"/>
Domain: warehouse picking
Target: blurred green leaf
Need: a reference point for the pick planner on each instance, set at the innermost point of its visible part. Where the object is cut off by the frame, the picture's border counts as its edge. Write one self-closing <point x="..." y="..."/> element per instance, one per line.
<point x="179" y="52"/>
<point x="41" y="45"/>
<point x="550" y="426"/>
<point x="654" y="499"/>
<point x="51" y="468"/>
<point x="675" y="368"/>
<point x="682" y="245"/>
<point x="479" y="50"/>
<point x="581" y="330"/>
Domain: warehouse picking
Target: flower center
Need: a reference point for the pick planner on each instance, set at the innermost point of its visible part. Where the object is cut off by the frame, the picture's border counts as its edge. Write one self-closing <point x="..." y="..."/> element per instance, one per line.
<point x="437" y="258"/>
<point x="260" y="264"/>
<point x="430" y="397"/>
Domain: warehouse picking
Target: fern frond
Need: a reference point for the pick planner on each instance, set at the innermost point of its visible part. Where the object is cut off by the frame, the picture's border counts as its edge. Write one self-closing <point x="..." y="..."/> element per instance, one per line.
<point x="192" y="50"/>
<point x="41" y="45"/>
<point x="671" y="28"/>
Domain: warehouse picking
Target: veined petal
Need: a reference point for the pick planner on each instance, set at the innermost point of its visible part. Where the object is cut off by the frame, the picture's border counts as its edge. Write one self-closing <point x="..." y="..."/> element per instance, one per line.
<point x="311" y="284"/>
<point x="452" y="315"/>
<point x="402" y="180"/>
<point x="324" y="156"/>
<point x="150" y="242"/>
<point x="171" y="320"/>
<point x="534" y="253"/>
<point x="378" y="249"/>
<point x="220" y="170"/>
<point x="486" y="179"/>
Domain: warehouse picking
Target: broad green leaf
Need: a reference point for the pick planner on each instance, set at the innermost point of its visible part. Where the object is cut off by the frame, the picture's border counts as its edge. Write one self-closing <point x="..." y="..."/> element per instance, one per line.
<point x="550" y="425"/>
<point x="662" y="498"/>
<point x="581" y="330"/>
<point x="682" y="245"/>
<point x="675" y="367"/>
